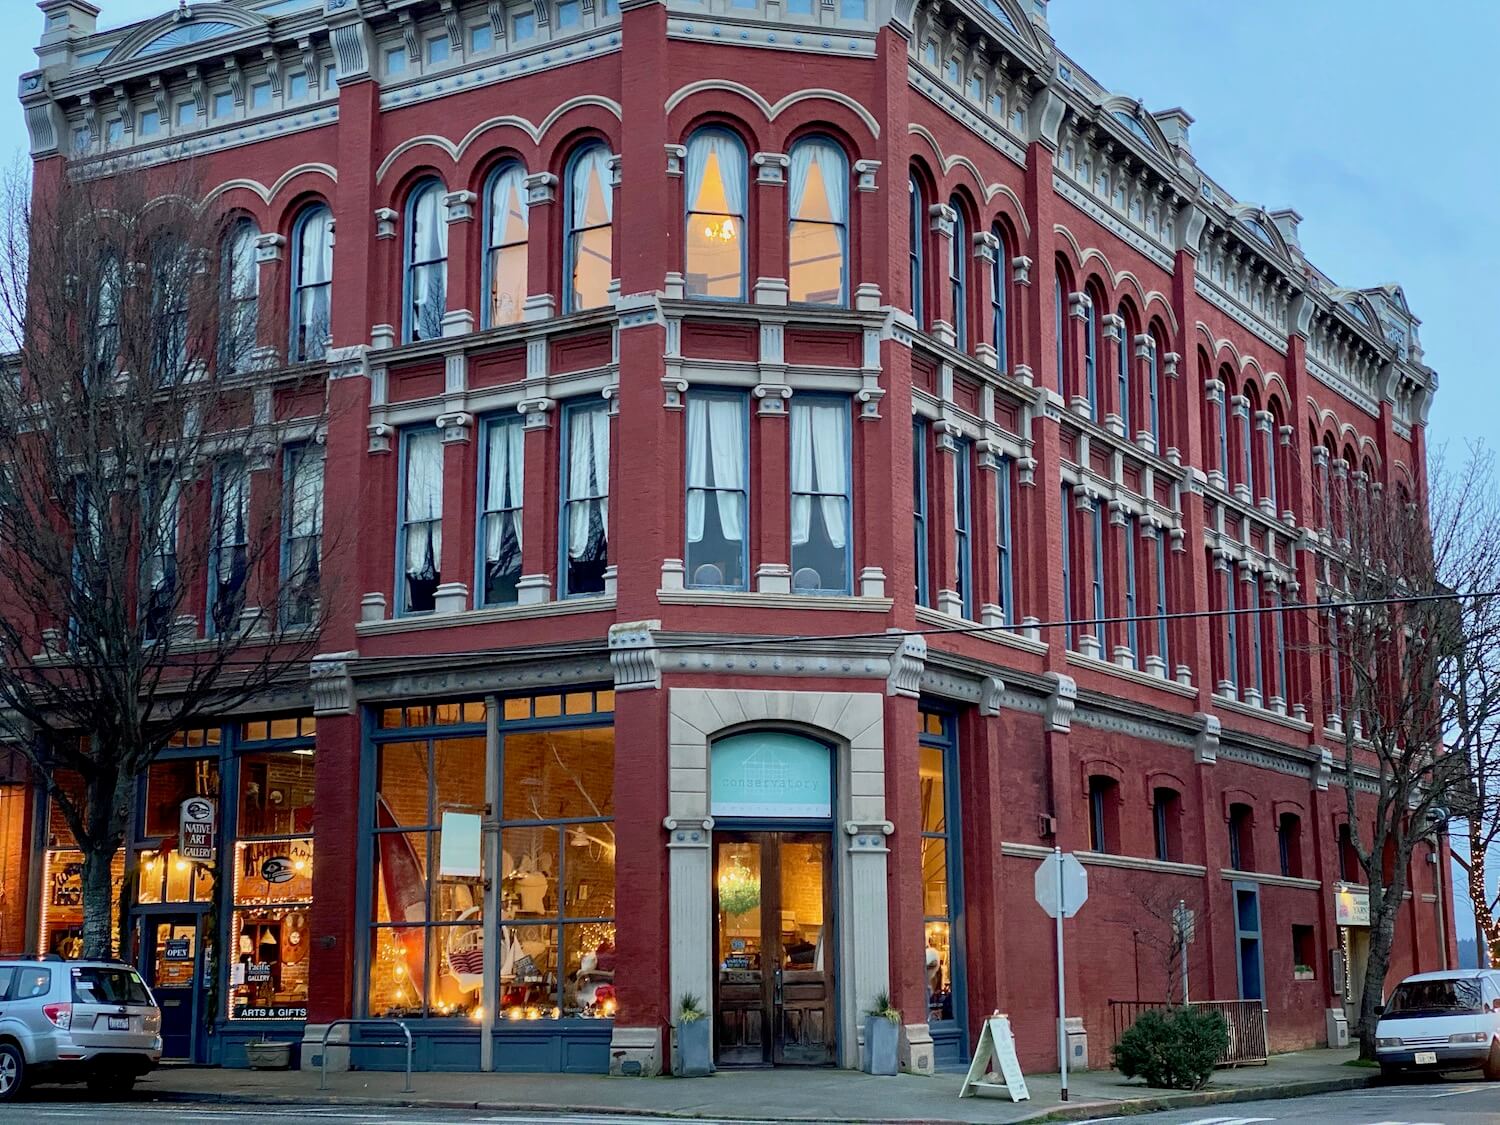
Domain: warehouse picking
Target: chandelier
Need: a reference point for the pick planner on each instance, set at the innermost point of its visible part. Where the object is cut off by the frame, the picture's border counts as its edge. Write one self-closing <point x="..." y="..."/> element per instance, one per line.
<point x="739" y="890"/>
<point x="722" y="230"/>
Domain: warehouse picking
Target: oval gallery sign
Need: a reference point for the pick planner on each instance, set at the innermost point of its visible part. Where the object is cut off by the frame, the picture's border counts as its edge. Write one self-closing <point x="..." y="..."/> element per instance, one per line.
<point x="277" y="869"/>
<point x="196" y="829"/>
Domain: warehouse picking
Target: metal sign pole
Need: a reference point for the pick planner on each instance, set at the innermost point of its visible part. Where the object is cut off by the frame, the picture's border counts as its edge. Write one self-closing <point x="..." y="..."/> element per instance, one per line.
<point x="1182" y="937"/>
<point x="1062" y="994"/>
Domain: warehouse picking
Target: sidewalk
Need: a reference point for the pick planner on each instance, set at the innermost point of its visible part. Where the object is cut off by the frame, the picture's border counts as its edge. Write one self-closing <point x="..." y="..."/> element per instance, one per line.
<point x="761" y="1095"/>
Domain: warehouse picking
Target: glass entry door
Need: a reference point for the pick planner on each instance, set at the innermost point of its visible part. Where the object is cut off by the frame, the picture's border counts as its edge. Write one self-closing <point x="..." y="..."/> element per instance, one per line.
<point x="171" y="961"/>
<point x="774" y="948"/>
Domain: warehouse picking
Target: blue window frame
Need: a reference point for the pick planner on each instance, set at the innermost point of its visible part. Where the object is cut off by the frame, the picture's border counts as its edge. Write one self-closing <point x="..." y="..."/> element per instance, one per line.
<point x="1122" y="377"/>
<point x="718" y="490"/>
<point x="1057" y="330"/>
<point x="1153" y="391"/>
<point x="818" y="223"/>
<point x="919" y="442"/>
<point x="822" y="495"/>
<point x="1232" y="629"/>
<point x="419" y="537"/>
<point x="502" y="490"/>
<point x="1098" y="591"/>
<point x="1221" y="421"/>
<point x="229" y="544"/>
<point x="1004" y="541"/>
<point x="942" y="885"/>
<point x="507" y="227"/>
<point x="239" y="295"/>
<point x="426" y="272"/>
<point x="1273" y="433"/>
<point x="1161" y="601"/>
<point x="963" y="470"/>
<point x="161" y="523"/>
<point x="588" y="228"/>
<point x="958" y="276"/>
<point x="1278" y="631"/>
<point x="1067" y="565"/>
<point x="312" y="283"/>
<point x="301" y="532"/>
<point x="1128" y="535"/>
<point x="716" y="200"/>
<point x="1000" y="301"/>
<point x="1247" y="939"/>
<point x="916" y="245"/>
<point x="1257" y="658"/>
<point x="584" y="540"/>
<point x="1091" y="356"/>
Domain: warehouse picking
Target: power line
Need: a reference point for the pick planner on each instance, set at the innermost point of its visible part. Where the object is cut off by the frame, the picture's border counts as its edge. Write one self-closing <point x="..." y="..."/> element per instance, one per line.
<point x="594" y="647"/>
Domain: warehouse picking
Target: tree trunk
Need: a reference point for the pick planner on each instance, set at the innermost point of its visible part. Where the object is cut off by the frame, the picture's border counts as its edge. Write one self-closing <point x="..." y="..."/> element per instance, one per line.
<point x="1372" y="994"/>
<point x="98" y="913"/>
<point x="1487" y="928"/>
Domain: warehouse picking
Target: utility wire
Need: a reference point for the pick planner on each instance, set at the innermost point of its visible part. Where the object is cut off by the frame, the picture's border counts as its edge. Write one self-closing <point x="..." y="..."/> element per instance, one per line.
<point x="593" y="647"/>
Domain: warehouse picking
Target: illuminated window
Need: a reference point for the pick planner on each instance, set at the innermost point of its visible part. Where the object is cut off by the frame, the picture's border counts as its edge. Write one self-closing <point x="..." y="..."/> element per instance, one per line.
<point x="589" y="229"/>
<point x="818" y="236"/>
<point x="505" y="262"/>
<point x="717" y="172"/>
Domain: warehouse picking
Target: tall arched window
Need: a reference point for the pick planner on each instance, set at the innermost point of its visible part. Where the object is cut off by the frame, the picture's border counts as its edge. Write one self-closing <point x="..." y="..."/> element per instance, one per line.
<point x="1091" y="354"/>
<point x="589" y="234"/>
<point x="239" y="295"/>
<point x="1153" y="388"/>
<point x="107" y="318"/>
<point x="1122" y="368"/>
<point x="818" y="227"/>
<point x="505" y="224"/>
<point x="1273" y="454"/>
<point x="958" y="276"/>
<point x="1000" y="300"/>
<point x="312" y="283"/>
<point x="717" y="174"/>
<point x="426" y="262"/>
<point x="916" y="242"/>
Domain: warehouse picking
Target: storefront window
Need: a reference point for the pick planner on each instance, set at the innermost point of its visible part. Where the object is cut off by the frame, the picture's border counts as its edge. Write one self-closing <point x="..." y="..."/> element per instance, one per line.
<point x="273" y="864"/>
<point x="171" y="781"/>
<point x="941" y="883"/>
<point x="62" y="884"/>
<point x="554" y="941"/>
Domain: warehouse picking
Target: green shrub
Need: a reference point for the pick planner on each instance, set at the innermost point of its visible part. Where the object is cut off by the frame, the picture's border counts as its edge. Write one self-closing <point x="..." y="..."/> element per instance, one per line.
<point x="1174" y="1049"/>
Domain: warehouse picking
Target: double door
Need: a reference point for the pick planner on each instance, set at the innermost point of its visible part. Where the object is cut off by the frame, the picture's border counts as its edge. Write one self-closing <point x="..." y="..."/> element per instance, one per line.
<point x="774" y="944"/>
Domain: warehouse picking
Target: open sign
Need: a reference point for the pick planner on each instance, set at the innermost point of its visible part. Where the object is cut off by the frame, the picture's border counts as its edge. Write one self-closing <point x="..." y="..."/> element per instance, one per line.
<point x="277" y="869"/>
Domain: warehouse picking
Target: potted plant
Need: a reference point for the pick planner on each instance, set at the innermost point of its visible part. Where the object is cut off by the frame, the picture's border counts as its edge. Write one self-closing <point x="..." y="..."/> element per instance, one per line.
<point x="268" y="1055"/>
<point x="694" y="1038"/>
<point x="882" y="1036"/>
<point x="1302" y="972"/>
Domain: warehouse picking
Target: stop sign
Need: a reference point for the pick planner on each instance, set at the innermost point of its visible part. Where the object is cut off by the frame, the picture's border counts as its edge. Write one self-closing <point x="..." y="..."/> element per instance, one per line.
<point x="1065" y="895"/>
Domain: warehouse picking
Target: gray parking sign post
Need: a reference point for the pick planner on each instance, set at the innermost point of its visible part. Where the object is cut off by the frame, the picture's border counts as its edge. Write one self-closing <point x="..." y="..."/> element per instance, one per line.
<point x="1062" y="886"/>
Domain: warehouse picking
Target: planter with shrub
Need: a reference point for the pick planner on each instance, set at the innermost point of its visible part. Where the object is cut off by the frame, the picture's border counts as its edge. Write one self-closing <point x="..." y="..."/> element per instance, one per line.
<point x="694" y="1039"/>
<point x="1174" y="1049"/>
<point x="882" y="1037"/>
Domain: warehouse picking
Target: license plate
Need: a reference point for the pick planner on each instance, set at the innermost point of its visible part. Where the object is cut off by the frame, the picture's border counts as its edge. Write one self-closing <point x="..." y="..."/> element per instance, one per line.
<point x="119" y="1023"/>
<point x="1425" y="1058"/>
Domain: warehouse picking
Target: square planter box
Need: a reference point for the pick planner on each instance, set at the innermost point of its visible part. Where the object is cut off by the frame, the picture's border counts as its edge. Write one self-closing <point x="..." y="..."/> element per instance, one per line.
<point x="268" y="1056"/>
<point x="695" y="1048"/>
<point x="882" y="1043"/>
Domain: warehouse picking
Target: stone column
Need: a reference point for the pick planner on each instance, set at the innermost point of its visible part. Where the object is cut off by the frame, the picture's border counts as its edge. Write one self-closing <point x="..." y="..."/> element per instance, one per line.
<point x="459" y="210"/>
<point x="1087" y="637"/>
<point x="941" y="220"/>
<point x="457" y="565"/>
<point x="768" y="209"/>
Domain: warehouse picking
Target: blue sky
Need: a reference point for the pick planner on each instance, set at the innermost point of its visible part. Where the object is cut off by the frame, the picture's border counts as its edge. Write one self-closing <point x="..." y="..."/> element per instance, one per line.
<point x="1361" y="114"/>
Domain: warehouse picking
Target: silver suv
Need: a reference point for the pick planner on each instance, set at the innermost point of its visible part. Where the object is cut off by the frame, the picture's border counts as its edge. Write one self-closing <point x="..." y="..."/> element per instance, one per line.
<point x="74" y="1021"/>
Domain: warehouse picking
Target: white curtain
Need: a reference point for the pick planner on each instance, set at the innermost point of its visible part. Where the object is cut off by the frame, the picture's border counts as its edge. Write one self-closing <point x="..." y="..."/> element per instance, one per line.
<point x="716" y="459"/>
<point x="508" y="214"/>
<point x="828" y="158"/>
<point x="307" y="497"/>
<point x="591" y="178"/>
<point x="316" y="259"/>
<point x="234" y="515"/>
<point x="820" y="451"/>
<point x="730" y="156"/>
<point x="588" y="482"/>
<point x="424" y="506"/>
<point x="429" y="261"/>
<point x="504" y="476"/>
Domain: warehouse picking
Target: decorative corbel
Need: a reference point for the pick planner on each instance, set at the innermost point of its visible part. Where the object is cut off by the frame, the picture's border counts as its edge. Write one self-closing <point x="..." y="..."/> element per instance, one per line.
<point x="236" y="79"/>
<point x="123" y="107"/>
<point x="200" y="90"/>
<point x="385" y="223"/>
<point x="454" y="26"/>
<point x="1020" y="270"/>
<point x="310" y="62"/>
<point x="159" y="97"/>
<point x="273" y="68"/>
<point x="770" y="167"/>
<point x="942" y="219"/>
<point x="864" y="175"/>
<point x="541" y="187"/>
<point x="409" y="34"/>
<point x="496" y="12"/>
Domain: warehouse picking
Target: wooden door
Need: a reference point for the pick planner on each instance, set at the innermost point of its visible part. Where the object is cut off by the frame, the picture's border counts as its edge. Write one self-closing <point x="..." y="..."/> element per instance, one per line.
<point x="803" y="994"/>
<point x="742" y="1008"/>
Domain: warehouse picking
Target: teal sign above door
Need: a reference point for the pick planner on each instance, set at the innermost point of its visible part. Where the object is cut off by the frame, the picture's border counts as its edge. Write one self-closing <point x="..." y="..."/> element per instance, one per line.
<point x="771" y="774"/>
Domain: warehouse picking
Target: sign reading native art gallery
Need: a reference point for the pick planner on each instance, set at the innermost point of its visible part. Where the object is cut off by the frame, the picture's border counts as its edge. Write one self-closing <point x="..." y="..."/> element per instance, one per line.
<point x="196" y="830"/>
<point x="771" y="774"/>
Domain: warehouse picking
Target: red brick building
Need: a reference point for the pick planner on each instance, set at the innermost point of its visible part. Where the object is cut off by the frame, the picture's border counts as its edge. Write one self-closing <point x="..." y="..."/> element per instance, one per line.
<point x="763" y="442"/>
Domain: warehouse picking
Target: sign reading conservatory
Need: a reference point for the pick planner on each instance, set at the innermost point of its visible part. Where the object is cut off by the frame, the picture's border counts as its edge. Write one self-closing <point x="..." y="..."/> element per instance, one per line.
<point x="771" y="774"/>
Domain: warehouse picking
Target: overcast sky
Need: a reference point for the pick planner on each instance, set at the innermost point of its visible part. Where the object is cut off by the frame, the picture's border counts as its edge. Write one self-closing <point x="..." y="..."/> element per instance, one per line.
<point x="1361" y="114"/>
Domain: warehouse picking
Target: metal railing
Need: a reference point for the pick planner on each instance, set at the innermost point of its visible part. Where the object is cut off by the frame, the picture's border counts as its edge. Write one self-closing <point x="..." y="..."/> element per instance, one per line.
<point x="1246" y="1020"/>
<point x="351" y="1045"/>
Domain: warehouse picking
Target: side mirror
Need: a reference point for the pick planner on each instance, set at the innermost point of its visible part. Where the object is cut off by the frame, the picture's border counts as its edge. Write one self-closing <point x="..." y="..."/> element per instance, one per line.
<point x="1380" y="1009"/>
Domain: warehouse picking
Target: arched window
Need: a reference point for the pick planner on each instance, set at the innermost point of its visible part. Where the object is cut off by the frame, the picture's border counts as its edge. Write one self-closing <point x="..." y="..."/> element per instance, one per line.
<point x="171" y="282"/>
<point x="505" y="224"/>
<point x="426" y="262"/>
<point x="107" y="318"/>
<point x="958" y="276"/>
<point x="589" y="229"/>
<point x="1273" y="454"/>
<point x="717" y="173"/>
<point x="1057" y="330"/>
<point x="1091" y="353"/>
<point x="818" y="230"/>
<point x="916" y="243"/>
<point x="1000" y="300"/>
<point x="312" y="283"/>
<point x="1122" y="366"/>
<point x="1153" y="389"/>
<point x="239" y="295"/>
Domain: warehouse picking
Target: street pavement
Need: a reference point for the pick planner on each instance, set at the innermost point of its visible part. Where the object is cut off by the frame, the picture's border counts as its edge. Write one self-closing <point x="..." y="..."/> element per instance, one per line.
<point x="1432" y="1102"/>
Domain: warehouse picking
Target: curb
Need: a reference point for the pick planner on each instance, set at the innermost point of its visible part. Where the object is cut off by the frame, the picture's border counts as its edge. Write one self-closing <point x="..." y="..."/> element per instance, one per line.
<point x="1074" y="1111"/>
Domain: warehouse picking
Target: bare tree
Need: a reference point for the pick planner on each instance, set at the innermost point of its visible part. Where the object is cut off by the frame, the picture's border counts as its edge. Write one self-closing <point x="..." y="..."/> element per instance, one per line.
<point x="145" y="587"/>
<point x="1400" y="657"/>
<point x="1164" y="920"/>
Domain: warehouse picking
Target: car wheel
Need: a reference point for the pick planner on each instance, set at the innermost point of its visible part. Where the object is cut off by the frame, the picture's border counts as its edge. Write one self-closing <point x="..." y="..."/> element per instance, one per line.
<point x="1389" y="1073"/>
<point x="1492" y="1064"/>
<point x="12" y="1071"/>
<point x="111" y="1084"/>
